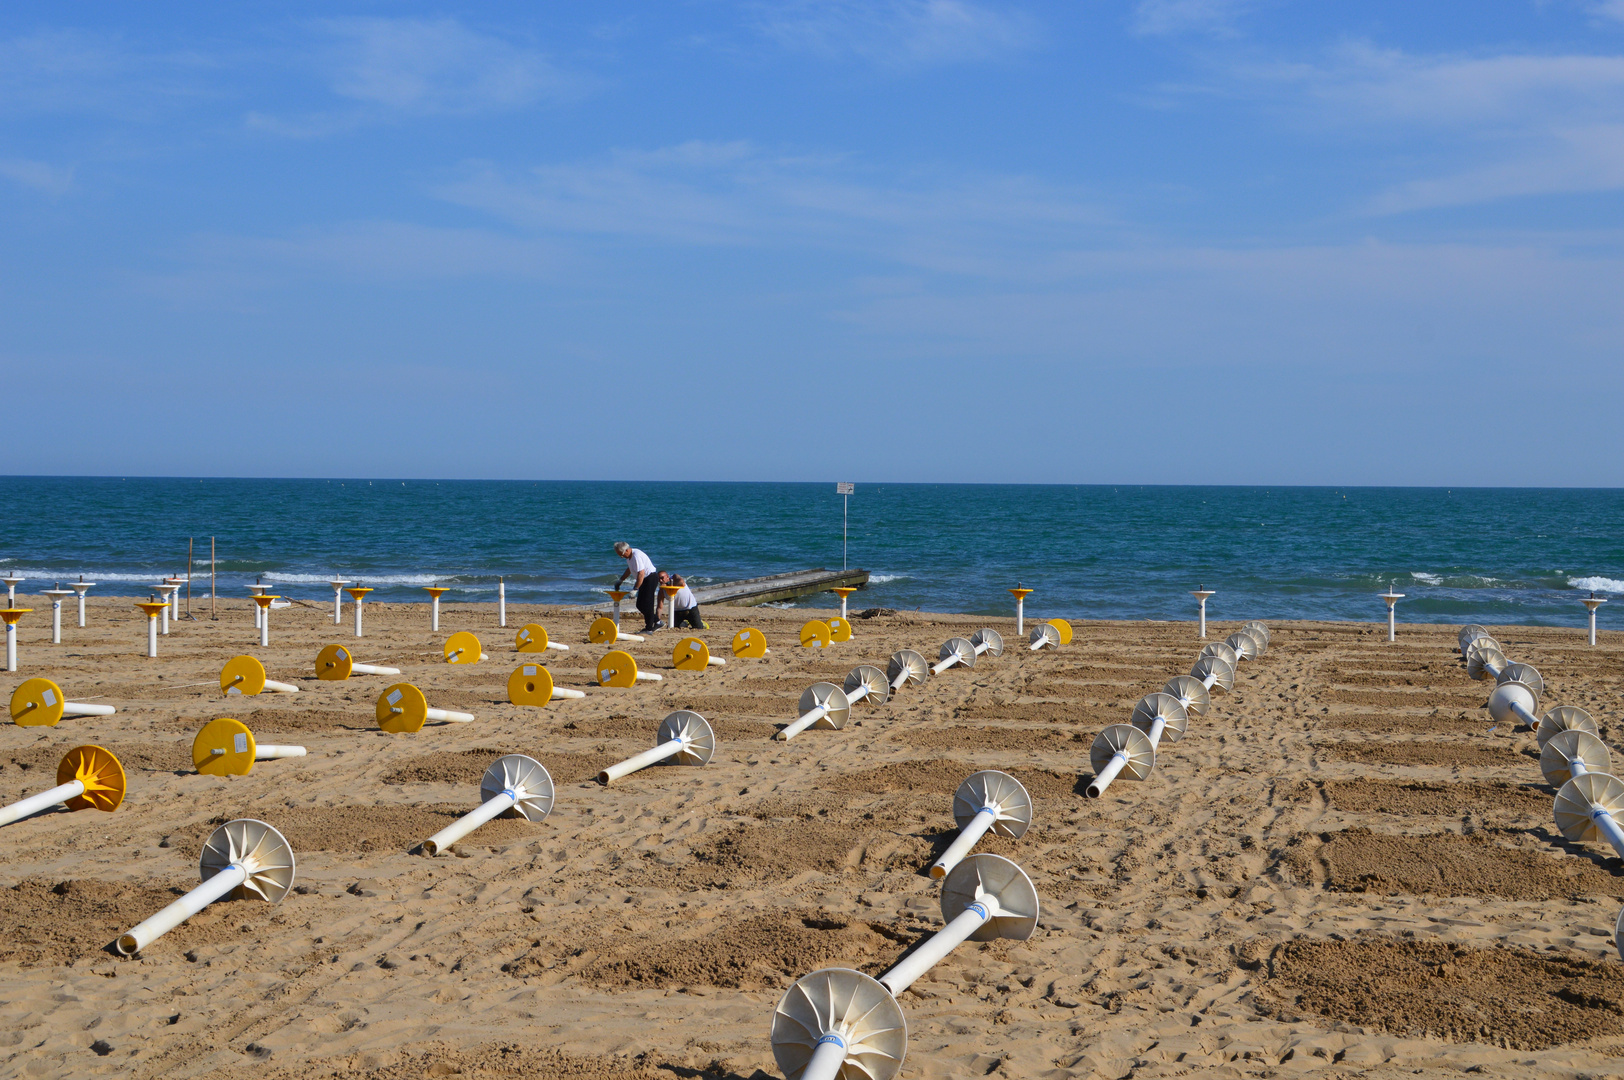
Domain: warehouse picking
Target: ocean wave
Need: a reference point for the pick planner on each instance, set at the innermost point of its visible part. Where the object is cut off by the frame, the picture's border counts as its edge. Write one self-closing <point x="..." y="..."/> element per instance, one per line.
<point x="370" y="579"/>
<point x="1426" y="579"/>
<point x="106" y="575"/>
<point x="881" y="579"/>
<point x="1596" y="584"/>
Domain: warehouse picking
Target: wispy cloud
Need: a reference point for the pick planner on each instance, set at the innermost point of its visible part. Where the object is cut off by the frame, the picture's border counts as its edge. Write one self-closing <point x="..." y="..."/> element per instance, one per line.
<point x="897" y="33"/>
<point x="438" y="67"/>
<point x="38" y="175"/>
<point x="70" y="71"/>
<point x="1160" y="17"/>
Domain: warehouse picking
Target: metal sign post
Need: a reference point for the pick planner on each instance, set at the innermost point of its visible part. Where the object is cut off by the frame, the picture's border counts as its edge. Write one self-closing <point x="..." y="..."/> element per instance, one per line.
<point x="844" y="490"/>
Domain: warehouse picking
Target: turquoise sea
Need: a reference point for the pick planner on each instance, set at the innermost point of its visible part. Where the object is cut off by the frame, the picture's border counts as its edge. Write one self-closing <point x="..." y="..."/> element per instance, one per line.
<point x="1469" y="555"/>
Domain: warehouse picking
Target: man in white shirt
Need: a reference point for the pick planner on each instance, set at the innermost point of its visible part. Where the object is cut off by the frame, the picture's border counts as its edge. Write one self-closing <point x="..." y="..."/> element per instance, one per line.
<point x="687" y="606"/>
<point x="646" y="579"/>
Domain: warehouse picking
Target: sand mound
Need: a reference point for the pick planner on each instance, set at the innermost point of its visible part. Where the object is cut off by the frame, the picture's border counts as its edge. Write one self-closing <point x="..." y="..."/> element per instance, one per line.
<point x="764" y="951"/>
<point x="743" y="854"/>
<point x="964" y="737"/>
<point x="1432" y="723"/>
<point x="1443" y="864"/>
<point x="707" y="705"/>
<point x="266" y="722"/>
<point x="37" y="764"/>
<point x="1506" y="996"/>
<point x="467" y="766"/>
<point x="1503" y="754"/>
<point x="1431" y="799"/>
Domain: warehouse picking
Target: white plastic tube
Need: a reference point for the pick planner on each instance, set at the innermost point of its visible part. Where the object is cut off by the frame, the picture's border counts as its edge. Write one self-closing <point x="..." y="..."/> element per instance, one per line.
<point x="827" y="1058"/>
<point x="450" y="717"/>
<point x="152" y="636"/>
<point x="939" y="945"/>
<point x="1524" y="715"/>
<point x="469" y="821"/>
<point x="372" y="669"/>
<point x="11" y="647"/>
<point x="1157" y="726"/>
<point x="802" y="724"/>
<point x="164" y="615"/>
<point x="56" y="620"/>
<point x="1609" y="827"/>
<point x="643" y="676"/>
<point x="1118" y="761"/>
<point x="501" y="602"/>
<point x="74" y="708"/>
<point x="338" y="602"/>
<point x="558" y="645"/>
<point x="641" y="761"/>
<point x="1576" y="767"/>
<point x="564" y="693"/>
<point x="1203" y="631"/>
<point x="359" y="601"/>
<point x="172" y="916"/>
<point x="857" y="695"/>
<point x="434" y="612"/>
<point x="81" y="589"/>
<point x="35" y="803"/>
<point x="1211" y="679"/>
<point x="280" y="687"/>
<point x="896" y="683"/>
<point x="967" y="838"/>
<point x="1020" y="616"/>
<point x="271" y="753"/>
<point x="264" y="627"/>
<point x="943" y="665"/>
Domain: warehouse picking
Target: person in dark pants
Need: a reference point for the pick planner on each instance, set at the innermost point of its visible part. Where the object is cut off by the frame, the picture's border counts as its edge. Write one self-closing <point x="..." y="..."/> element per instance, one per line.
<point x="646" y="579"/>
<point x="687" y="606"/>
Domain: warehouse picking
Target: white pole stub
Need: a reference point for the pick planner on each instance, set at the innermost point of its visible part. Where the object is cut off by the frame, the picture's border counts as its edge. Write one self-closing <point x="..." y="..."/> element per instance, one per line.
<point x="513" y="781"/>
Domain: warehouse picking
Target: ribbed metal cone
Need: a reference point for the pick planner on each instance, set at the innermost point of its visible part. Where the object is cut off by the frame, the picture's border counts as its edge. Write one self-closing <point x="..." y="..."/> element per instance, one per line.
<point x="847" y="1002"/>
<point x="1191" y="693"/>
<point x="1578" y="796"/>
<point x="1210" y="665"/>
<point x="1564" y="718"/>
<point x="695" y="731"/>
<point x="1245" y="645"/>
<point x="1526" y="674"/>
<point x="1221" y="650"/>
<point x="1505" y="694"/>
<point x="1174" y="716"/>
<point x="990" y="638"/>
<point x="910" y="661"/>
<point x="821" y="693"/>
<point x="1562" y="749"/>
<point x="257" y="848"/>
<point x="1485" y="662"/>
<point x="992" y="877"/>
<point x="879" y="687"/>
<point x="525" y="775"/>
<point x="1141" y="755"/>
<point x="999" y="790"/>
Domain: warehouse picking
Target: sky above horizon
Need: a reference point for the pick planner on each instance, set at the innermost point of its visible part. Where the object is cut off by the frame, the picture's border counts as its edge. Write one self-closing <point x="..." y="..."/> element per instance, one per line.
<point x="1148" y="241"/>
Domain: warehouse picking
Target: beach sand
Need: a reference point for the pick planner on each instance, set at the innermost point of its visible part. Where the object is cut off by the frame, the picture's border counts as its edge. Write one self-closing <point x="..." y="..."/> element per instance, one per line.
<point x="1343" y="869"/>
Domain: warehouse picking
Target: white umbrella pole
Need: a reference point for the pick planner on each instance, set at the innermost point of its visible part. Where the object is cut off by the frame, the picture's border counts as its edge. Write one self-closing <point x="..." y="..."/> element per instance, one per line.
<point x="172" y="916"/>
<point x="802" y="724"/>
<point x="35" y="803"/>
<point x="469" y="821"/>
<point x="450" y="717"/>
<point x="939" y="945"/>
<point x="641" y="761"/>
<point x="967" y="838"/>
<point x="501" y="602"/>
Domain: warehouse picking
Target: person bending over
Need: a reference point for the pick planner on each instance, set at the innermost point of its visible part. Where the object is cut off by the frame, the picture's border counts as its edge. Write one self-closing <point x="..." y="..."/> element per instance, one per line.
<point x="646" y="580"/>
<point x="687" y="606"/>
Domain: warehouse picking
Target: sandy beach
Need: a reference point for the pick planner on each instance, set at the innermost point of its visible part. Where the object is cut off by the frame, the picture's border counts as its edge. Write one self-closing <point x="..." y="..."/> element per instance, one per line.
<point x="1344" y="867"/>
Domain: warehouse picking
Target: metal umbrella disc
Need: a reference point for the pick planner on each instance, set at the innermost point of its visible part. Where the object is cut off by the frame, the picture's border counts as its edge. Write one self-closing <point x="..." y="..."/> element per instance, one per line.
<point x="1165" y="706"/>
<point x="1123" y="737"/>
<point x="839" y="629"/>
<point x="334" y="664"/>
<point x="1564" y="718"/>
<point x="1257" y="630"/>
<point x="699" y="742"/>
<point x="1484" y="662"/>
<point x="1505" y="695"/>
<point x="992" y="639"/>
<point x="867" y="675"/>
<point x="257" y="848"/>
<point x="1565" y="747"/>
<point x="1468" y="631"/>
<point x="1526" y="674"/>
<point x="1214" y="665"/>
<point x="242" y="675"/>
<point x="1192" y="694"/>
<point x="532" y="637"/>
<point x="960" y="648"/>
<point x="1580" y="796"/>
<point x="603" y="631"/>
<point x="826" y="693"/>
<point x="37" y="703"/>
<point x="980" y="877"/>
<point x="224" y="747"/>
<point x="99" y="771"/>
<point x="1221" y="650"/>
<point x="413" y="706"/>
<point x="462" y="648"/>
<point x="530" y="684"/>
<point x="1012" y="806"/>
<point x="525" y="777"/>
<point x="1245" y="645"/>
<point x="910" y="661"/>
<point x="1045" y="633"/>
<point x="750" y="643"/>
<point x="856" y="1006"/>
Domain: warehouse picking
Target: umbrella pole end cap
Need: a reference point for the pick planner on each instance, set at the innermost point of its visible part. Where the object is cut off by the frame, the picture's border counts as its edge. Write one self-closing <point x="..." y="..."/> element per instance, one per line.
<point x="430" y="848"/>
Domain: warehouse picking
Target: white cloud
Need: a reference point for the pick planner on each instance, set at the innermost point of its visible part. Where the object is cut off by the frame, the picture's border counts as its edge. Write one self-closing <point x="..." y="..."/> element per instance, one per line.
<point x="1188" y="16"/>
<point x="1609" y="9"/>
<point x="897" y="33"/>
<point x="40" y="176"/>
<point x="1569" y="162"/>
<point x="438" y="67"/>
<point x="68" y="71"/>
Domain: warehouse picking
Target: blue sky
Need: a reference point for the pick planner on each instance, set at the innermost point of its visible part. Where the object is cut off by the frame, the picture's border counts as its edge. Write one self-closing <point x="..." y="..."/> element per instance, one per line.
<point x="1164" y="241"/>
